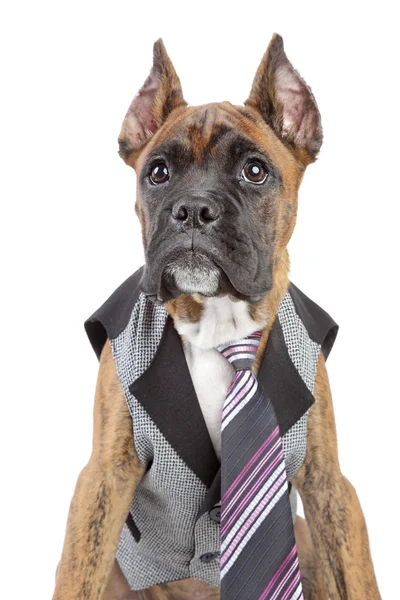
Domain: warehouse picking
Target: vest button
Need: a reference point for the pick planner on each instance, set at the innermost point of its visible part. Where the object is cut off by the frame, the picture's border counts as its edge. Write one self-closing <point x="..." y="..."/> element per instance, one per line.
<point x="208" y="556"/>
<point x="215" y="514"/>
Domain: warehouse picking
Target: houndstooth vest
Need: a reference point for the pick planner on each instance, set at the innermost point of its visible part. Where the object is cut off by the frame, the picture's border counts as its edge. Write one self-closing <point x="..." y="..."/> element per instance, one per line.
<point x="172" y="529"/>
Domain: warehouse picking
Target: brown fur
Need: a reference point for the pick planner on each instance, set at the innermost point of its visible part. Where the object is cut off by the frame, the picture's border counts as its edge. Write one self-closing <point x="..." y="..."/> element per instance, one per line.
<point x="331" y="506"/>
<point x="334" y="552"/>
<point x="102" y="495"/>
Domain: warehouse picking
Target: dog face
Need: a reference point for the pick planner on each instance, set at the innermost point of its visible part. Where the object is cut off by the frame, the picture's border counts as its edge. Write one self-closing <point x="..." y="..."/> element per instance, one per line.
<point x="217" y="184"/>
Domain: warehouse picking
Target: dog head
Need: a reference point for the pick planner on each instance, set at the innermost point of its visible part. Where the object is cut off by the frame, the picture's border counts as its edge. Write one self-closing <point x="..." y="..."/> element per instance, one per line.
<point x="217" y="184"/>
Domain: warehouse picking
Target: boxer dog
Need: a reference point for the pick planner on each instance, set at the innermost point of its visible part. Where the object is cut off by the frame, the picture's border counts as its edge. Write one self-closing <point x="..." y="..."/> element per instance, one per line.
<point x="279" y="129"/>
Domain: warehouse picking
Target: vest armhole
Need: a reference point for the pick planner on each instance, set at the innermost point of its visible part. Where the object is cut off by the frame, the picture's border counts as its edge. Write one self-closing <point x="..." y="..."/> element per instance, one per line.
<point x="113" y="315"/>
<point x="329" y="340"/>
<point x="321" y="327"/>
<point x="97" y="335"/>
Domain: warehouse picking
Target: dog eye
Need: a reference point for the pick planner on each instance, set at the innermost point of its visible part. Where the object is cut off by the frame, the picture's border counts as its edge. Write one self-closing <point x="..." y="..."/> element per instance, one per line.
<point x="254" y="172"/>
<point x="159" y="173"/>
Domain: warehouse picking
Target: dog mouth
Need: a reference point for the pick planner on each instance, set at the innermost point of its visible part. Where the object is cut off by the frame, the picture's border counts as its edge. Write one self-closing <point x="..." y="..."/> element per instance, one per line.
<point x="193" y="271"/>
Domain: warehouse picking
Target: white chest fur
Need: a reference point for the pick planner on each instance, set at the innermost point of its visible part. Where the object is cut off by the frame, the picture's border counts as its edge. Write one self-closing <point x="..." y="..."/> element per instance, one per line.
<point x="222" y="320"/>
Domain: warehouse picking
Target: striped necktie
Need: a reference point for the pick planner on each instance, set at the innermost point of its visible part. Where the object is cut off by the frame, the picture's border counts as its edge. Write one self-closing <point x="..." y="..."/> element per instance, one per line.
<point x="258" y="549"/>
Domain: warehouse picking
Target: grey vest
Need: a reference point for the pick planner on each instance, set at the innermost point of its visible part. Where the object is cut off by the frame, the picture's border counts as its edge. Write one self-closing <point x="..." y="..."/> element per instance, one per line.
<point x="172" y="529"/>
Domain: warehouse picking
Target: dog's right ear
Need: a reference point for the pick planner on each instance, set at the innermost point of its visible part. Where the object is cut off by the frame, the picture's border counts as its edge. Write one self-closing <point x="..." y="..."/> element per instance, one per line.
<point x="160" y="94"/>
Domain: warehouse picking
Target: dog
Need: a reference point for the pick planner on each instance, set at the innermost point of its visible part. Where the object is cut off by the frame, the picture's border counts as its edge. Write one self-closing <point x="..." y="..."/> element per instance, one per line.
<point x="217" y="188"/>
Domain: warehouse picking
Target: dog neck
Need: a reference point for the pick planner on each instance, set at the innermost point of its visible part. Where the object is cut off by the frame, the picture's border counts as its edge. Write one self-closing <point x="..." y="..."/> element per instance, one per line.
<point x="206" y="322"/>
<point x="222" y="319"/>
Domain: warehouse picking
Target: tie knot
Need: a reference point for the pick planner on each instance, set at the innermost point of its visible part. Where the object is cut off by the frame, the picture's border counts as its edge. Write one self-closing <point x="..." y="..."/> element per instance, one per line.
<point x="241" y="353"/>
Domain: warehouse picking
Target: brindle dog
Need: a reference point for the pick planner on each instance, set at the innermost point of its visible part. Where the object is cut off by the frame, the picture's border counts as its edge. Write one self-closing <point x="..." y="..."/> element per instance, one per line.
<point x="279" y="120"/>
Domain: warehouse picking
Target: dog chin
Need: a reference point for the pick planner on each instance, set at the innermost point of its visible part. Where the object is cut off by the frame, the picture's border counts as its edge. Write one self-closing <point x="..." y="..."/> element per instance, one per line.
<point x="190" y="281"/>
<point x="194" y="275"/>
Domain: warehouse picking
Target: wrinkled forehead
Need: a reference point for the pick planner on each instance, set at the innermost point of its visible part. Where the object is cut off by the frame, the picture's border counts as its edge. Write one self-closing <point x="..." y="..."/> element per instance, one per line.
<point x="205" y="132"/>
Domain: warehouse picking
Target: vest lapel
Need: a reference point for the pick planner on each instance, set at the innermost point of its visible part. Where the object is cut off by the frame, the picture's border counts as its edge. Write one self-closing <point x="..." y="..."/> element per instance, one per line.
<point x="165" y="389"/>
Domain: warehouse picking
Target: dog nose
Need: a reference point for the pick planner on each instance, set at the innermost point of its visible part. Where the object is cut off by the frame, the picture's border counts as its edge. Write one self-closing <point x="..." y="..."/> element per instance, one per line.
<point x="195" y="211"/>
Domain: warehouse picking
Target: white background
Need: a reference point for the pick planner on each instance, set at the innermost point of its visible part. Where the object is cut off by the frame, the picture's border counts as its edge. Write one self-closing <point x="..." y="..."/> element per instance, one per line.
<point x="70" y="235"/>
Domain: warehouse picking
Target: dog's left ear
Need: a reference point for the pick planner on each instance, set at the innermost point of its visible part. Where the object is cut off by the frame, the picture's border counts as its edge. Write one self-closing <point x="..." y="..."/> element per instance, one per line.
<point x="286" y="103"/>
<point x="156" y="99"/>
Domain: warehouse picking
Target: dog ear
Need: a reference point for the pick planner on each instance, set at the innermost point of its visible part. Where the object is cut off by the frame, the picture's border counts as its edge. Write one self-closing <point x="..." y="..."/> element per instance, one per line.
<point x="160" y="94"/>
<point x="286" y="103"/>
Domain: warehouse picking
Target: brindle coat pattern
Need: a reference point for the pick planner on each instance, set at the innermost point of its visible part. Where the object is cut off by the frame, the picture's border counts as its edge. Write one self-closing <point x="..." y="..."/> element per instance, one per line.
<point x="335" y="529"/>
